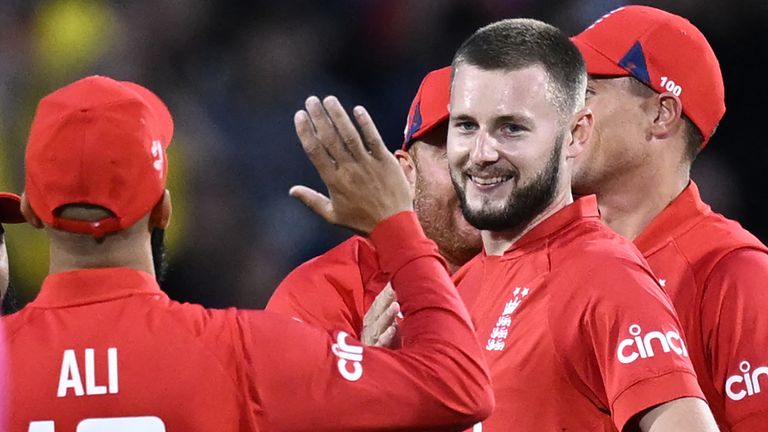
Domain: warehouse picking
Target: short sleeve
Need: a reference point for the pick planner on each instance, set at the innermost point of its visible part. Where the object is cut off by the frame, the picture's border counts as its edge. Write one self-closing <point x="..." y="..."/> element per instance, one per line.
<point x="735" y="331"/>
<point x="626" y="347"/>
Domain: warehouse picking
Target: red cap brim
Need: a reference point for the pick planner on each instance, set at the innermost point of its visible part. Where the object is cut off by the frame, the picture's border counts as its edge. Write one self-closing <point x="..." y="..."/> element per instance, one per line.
<point x="10" y="209"/>
<point x="596" y="62"/>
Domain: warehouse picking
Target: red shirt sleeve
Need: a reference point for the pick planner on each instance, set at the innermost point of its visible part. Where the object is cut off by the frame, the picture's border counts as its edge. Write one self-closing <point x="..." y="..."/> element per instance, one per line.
<point x="327" y="291"/>
<point x="624" y="341"/>
<point x="307" y="379"/>
<point x="734" y="322"/>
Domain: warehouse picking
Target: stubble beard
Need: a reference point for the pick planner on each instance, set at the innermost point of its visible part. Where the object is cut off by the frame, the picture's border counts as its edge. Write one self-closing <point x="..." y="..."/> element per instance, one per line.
<point x="522" y="205"/>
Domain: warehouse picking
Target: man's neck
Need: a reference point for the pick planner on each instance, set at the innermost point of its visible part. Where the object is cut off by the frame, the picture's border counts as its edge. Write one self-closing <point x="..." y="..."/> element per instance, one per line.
<point x="497" y="242"/>
<point x="630" y="202"/>
<point x="69" y="253"/>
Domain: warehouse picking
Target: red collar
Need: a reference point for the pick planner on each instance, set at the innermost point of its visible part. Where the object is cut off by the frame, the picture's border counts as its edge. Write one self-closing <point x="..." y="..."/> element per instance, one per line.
<point x="678" y="217"/>
<point x="79" y="287"/>
<point x="581" y="208"/>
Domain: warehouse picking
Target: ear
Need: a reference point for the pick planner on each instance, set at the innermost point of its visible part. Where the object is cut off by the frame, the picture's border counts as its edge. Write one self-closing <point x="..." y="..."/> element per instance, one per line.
<point x="669" y="116"/>
<point x="29" y="214"/>
<point x="580" y="130"/>
<point x="408" y="166"/>
<point x="161" y="213"/>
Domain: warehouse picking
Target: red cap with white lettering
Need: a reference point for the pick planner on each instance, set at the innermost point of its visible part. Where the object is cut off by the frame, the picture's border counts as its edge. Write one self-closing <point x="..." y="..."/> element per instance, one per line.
<point x="98" y="142"/>
<point x="664" y="51"/>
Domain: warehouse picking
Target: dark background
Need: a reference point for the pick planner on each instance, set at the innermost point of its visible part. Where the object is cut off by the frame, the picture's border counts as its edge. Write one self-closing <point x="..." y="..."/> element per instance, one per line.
<point x="234" y="72"/>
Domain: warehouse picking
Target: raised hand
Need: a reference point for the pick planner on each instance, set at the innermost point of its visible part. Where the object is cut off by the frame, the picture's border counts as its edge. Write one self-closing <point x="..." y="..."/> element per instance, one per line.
<point x="365" y="183"/>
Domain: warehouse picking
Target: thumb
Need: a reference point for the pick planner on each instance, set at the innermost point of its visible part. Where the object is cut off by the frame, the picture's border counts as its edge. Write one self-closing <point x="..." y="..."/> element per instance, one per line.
<point x="316" y="201"/>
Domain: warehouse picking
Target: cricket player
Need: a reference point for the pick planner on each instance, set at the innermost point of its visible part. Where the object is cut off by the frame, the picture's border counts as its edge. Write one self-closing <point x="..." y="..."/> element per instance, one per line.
<point x="345" y="288"/>
<point x="577" y="333"/>
<point x="101" y="348"/>
<point x="657" y="93"/>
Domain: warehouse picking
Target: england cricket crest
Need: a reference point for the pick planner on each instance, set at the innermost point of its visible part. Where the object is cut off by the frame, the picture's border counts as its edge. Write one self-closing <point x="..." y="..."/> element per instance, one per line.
<point x="498" y="337"/>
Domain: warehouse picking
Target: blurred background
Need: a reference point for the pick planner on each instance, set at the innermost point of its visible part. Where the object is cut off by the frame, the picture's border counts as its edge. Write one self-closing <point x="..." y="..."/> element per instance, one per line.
<point x="234" y="72"/>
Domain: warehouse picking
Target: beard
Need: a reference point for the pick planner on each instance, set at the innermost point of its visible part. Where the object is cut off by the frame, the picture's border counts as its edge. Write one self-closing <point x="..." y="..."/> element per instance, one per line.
<point x="443" y="223"/>
<point x="158" y="254"/>
<point x="522" y="205"/>
<point x="10" y="302"/>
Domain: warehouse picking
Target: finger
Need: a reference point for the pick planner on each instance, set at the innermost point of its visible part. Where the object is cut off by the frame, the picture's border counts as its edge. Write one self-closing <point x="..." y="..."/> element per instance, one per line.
<point x="379" y="306"/>
<point x="384" y="298"/>
<point x="387" y="338"/>
<point x="316" y="201"/>
<point x="326" y="131"/>
<point x="350" y="138"/>
<point x="371" y="135"/>
<point x="387" y="318"/>
<point x="311" y="145"/>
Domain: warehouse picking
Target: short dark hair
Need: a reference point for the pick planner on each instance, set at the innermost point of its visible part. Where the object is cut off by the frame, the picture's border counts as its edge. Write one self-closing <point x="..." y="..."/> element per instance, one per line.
<point x="692" y="135"/>
<point x="693" y="139"/>
<point x="513" y="44"/>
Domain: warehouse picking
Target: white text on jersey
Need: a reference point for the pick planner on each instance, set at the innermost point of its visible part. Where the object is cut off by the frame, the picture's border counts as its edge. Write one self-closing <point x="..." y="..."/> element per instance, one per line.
<point x="641" y="346"/>
<point x="70" y="377"/>
<point x="750" y="382"/>
<point x="348" y="355"/>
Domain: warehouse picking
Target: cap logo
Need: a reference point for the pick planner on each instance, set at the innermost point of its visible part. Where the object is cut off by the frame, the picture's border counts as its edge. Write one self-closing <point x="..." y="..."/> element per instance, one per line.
<point x="415" y="122"/>
<point x="634" y="62"/>
<point x="157" y="154"/>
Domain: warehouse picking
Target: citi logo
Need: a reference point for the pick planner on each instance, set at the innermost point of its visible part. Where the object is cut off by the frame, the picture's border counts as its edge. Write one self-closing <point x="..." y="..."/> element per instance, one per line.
<point x="749" y="382"/>
<point x="350" y="358"/>
<point x="642" y="346"/>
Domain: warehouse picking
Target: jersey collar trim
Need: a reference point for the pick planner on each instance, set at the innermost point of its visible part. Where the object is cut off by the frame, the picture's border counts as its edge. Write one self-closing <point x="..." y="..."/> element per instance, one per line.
<point x="79" y="287"/>
<point x="677" y="218"/>
<point x="581" y="208"/>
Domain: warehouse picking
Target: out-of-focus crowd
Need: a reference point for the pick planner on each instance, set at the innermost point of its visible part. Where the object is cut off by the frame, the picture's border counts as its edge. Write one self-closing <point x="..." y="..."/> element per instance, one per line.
<point x="234" y="72"/>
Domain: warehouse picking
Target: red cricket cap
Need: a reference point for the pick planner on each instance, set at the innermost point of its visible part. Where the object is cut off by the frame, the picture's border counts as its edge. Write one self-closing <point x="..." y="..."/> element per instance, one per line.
<point x="100" y="142"/>
<point x="664" y="51"/>
<point x="10" y="211"/>
<point x="430" y="106"/>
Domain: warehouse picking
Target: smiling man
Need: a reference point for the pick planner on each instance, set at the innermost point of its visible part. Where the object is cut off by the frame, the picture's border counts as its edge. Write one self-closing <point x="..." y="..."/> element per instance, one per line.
<point x="577" y="333"/>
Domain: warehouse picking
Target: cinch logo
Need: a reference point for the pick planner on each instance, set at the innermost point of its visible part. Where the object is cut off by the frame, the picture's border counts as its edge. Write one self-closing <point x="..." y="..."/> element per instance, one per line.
<point x="349" y="356"/>
<point x="751" y="381"/>
<point x="642" y="346"/>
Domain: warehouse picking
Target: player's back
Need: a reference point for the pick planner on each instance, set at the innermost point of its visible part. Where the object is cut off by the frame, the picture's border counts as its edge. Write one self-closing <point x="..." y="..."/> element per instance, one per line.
<point x="90" y="356"/>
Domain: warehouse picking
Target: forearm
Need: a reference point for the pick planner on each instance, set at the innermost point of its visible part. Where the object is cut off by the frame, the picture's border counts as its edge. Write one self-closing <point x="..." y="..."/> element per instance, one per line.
<point x="680" y="415"/>
<point x="437" y="332"/>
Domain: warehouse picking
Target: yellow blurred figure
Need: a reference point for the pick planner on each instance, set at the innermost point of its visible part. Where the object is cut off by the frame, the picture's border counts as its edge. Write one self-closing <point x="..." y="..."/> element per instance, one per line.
<point x="71" y="35"/>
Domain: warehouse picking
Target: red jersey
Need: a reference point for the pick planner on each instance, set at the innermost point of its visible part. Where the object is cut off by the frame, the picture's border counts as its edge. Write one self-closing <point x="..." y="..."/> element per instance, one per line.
<point x="577" y="333"/>
<point x="715" y="272"/>
<point x="333" y="290"/>
<point x="105" y="349"/>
